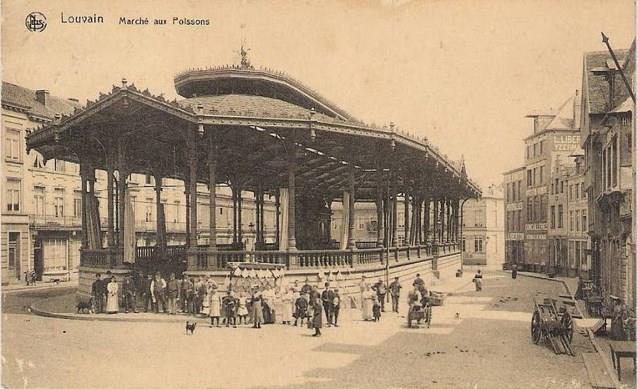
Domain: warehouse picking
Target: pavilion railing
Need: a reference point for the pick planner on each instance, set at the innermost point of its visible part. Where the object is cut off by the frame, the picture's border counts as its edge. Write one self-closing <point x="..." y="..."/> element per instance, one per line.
<point x="96" y="258"/>
<point x="367" y="256"/>
<point x="324" y="258"/>
<point x="198" y="258"/>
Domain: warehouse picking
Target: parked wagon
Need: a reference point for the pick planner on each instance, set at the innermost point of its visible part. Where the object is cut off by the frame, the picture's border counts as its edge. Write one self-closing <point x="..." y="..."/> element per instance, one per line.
<point x="552" y="325"/>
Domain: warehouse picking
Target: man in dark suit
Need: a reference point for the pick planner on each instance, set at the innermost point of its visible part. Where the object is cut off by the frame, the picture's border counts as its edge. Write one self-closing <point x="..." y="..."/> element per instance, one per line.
<point x="97" y="291"/>
<point x="327" y="297"/>
<point x="145" y="286"/>
<point x="128" y="294"/>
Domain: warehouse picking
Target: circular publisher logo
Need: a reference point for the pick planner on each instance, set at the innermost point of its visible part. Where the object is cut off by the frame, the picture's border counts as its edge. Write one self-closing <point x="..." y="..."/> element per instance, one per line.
<point x="36" y="22"/>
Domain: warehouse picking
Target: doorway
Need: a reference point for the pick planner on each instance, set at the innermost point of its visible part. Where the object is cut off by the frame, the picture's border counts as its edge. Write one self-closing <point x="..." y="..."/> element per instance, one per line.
<point x="14" y="255"/>
<point x="38" y="261"/>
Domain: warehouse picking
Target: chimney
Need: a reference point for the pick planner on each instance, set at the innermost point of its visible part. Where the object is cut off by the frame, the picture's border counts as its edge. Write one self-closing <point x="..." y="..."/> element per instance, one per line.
<point x="42" y="95"/>
<point x="577" y="108"/>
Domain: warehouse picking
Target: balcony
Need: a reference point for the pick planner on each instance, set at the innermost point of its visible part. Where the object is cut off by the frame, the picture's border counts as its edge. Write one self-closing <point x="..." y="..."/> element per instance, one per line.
<point x="52" y="222"/>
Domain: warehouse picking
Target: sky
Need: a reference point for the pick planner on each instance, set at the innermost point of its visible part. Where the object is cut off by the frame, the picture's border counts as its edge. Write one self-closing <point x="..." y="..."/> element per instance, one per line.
<point x="462" y="73"/>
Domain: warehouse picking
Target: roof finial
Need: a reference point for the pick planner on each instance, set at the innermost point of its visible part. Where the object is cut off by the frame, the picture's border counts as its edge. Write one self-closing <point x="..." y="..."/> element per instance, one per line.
<point x="245" y="62"/>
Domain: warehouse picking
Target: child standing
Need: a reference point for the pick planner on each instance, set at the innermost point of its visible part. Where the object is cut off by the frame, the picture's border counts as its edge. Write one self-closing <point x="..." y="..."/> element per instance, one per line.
<point x="376" y="309"/>
<point x="229" y="309"/>
<point x="301" y="308"/>
<point x="336" y="306"/>
<point x="214" y="307"/>
<point x="242" y="309"/>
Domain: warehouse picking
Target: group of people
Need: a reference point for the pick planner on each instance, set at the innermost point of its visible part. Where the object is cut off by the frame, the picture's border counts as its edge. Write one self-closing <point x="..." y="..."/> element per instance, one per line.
<point x="372" y="298"/>
<point x="104" y="293"/>
<point x="257" y="304"/>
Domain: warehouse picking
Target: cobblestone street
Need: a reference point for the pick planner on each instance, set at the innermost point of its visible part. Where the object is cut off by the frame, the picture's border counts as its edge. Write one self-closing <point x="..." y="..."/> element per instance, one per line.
<point x="492" y="330"/>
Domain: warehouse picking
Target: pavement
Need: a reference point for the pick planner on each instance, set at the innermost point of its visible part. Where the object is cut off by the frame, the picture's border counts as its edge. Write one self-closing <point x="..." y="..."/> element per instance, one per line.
<point x="487" y="345"/>
<point x="21" y="287"/>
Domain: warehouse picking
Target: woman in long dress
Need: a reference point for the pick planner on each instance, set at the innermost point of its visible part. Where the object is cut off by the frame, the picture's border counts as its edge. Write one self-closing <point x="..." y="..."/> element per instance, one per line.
<point x="368" y="301"/>
<point x="287" y="306"/>
<point x="214" y="306"/>
<point x="112" y="305"/>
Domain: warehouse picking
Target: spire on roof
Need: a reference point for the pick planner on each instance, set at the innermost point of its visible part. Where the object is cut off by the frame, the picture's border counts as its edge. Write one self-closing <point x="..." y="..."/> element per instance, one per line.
<point x="463" y="171"/>
<point x="245" y="62"/>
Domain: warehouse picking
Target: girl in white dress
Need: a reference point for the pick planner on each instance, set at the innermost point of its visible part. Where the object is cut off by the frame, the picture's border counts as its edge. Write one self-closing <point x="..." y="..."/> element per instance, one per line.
<point x="242" y="309"/>
<point x="287" y="300"/>
<point x="214" y="306"/>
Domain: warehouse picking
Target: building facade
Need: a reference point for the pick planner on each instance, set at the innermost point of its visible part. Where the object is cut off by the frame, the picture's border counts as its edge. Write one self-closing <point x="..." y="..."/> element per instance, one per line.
<point x="554" y="138"/>
<point x="514" y="187"/>
<point x="483" y="229"/>
<point x="40" y="214"/>
<point x="579" y="245"/>
<point x="607" y="131"/>
<point x="42" y="202"/>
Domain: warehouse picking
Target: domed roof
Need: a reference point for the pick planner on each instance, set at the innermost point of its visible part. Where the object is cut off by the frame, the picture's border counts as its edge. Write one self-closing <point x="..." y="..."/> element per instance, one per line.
<point x="252" y="106"/>
<point x="246" y="80"/>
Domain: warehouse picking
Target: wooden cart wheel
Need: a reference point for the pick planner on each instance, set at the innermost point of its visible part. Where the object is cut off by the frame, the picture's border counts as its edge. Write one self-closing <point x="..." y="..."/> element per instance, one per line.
<point x="536" y="327"/>
<point x="568" y="326"/>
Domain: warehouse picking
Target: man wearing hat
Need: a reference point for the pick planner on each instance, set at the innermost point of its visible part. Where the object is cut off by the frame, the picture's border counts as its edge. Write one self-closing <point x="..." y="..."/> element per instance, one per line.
<point x="395" y="291"/>
<point x="327" y="297"/>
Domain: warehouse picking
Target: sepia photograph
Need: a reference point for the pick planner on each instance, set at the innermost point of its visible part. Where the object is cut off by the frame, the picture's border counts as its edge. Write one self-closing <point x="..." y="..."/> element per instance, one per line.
<point x="318" y="194"/>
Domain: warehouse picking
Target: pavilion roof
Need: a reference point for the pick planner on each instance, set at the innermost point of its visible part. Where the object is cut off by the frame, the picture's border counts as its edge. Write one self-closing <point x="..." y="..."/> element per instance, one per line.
<point x="255" y="121"/>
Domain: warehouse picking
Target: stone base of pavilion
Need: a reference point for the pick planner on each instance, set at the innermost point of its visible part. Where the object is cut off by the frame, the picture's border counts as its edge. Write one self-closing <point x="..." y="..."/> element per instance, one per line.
<point x="432" y="269"/>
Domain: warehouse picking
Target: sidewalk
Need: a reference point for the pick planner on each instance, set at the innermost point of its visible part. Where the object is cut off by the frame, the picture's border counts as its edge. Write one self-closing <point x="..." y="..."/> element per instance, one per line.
<point x="21" y="287"/>
<point x="601" y="370"/>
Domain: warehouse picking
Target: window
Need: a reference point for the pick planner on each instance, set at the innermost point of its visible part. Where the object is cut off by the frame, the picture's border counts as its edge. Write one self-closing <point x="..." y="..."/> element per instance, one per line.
<point x="58" y="202"/>
<point x="478" y="245"/>
<point x="148" y="210"/>
<point x="577" y="191"/>
<point x="562" y="187"/>
<point x="535" y="149"/>
<point x="38" y="200"/>
<point x="560" y="216"/>
<point x="148" y="180"/>
<point x="77" y="204"/>
<point x="541" y="147"/>
<point x="576" y="223"/>
<point x="543" y="208"/>
<point x="530" y="205"/>
<point x="571" y="220"/>
<point x="518" y="191"/>
<point x="13" y="195"/>
<point x="529" y="154"/>
<point x="552" y="216"/>
<point x="178" y="208"/>
<point x="12" y="146"/>
<point x="529" y="178"/>
<point x="507" y="192"/>
<point x="463" y="245"/>
<point x="221" y="211"/>
<point x="541" y="178"/>
<point x="584" y="217"/>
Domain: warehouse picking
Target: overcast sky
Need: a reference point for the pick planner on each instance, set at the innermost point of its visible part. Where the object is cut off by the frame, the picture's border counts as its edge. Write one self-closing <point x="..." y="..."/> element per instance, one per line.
<point x="462" y="73"/>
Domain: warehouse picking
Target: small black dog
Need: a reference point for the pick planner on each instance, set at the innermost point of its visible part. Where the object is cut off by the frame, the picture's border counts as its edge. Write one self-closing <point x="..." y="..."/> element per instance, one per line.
<point x="376" y="311"/>
<point x="85" y="306"/>
<point x="190" y="327"/>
